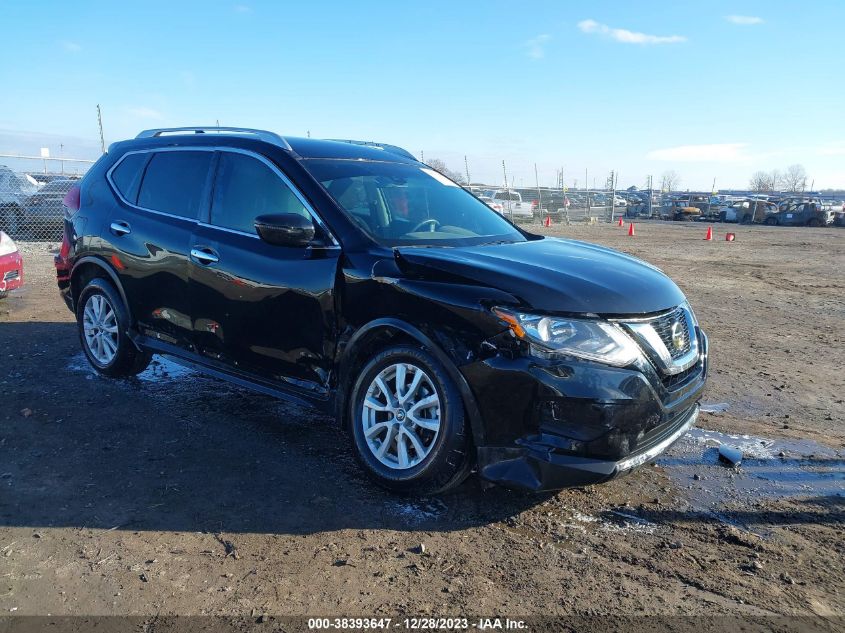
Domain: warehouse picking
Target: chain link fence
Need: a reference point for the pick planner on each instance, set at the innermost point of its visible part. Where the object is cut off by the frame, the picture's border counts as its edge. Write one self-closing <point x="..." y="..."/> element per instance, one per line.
<point x="31" y="193"/>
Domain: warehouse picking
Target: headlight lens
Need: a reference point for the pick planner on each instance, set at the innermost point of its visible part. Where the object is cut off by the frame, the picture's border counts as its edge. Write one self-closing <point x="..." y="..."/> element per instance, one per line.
<point x="595" y="340"/>
<point x="7" y="246"/>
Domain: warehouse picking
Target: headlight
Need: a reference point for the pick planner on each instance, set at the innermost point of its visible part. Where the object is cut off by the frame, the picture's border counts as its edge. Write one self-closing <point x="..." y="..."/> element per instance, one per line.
<point x="7" y="246"/>
<point x="590" y="339"/>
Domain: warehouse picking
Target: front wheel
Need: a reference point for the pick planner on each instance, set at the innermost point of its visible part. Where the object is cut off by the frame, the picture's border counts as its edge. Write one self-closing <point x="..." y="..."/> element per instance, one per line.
<point x="103" y="323"/>
<point x="408" y="427"/>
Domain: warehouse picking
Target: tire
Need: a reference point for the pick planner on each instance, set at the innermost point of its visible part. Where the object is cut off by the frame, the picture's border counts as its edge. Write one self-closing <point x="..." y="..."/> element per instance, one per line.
<point x="3" y="294"/>
<point x="102" y="299"/>
<point x="444" y="462"/>
<point x="723" y="216"/>
<point x="814" y="222"/>
<point x="771" y="221"/>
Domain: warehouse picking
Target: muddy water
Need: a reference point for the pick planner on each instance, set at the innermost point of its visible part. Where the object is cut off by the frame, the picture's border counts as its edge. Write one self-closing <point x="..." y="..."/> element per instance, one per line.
<point x="769" y="469"/>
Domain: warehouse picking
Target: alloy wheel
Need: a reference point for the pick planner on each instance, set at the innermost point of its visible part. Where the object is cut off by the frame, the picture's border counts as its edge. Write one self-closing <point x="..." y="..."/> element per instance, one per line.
<point x="401" y="416"/>
<point x="99" y="325"/>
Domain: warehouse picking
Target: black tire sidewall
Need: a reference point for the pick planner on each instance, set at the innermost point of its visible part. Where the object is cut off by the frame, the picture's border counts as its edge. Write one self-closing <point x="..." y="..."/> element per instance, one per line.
<point x="449" y="453"/>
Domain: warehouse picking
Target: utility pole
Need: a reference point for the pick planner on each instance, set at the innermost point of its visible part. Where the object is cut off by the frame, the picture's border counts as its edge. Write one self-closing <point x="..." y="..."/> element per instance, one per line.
<point x="507" y="191"/>
<point x="100" y="123"/>
<point x="650" y="193"/>
<point x="613" y="177"/>
<point x="587" y="189"/>
<point x="466" y="167"/>
<point x="422" y="156"/>
<point x="62" y="156"/>
<point x="539" y="197"/>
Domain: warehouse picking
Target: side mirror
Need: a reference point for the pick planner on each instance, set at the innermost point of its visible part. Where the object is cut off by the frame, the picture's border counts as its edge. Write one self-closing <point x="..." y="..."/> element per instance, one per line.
<point x="285" y="229"/>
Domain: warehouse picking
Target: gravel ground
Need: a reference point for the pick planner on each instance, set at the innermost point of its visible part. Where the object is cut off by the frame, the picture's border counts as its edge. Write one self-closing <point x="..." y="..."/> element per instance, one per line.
<point x="174" y="493"/>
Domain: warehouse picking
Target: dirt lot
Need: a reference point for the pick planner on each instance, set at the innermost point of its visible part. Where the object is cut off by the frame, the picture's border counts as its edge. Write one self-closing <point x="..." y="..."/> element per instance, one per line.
<point x="178" y="494"/>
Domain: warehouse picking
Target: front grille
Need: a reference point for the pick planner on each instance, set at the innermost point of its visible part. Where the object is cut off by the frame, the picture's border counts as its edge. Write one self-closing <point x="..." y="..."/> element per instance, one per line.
<point x="664" y="324"/>
<point x="12" y="274"/>
<point x="676" y="381"/>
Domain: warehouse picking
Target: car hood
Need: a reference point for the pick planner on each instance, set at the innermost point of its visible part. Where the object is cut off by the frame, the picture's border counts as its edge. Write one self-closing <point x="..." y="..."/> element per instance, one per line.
<point x="551" y="275"/>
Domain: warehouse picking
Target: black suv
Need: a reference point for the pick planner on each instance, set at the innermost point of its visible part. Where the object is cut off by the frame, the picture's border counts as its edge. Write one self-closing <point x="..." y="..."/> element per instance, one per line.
<point x="352" y="277"/>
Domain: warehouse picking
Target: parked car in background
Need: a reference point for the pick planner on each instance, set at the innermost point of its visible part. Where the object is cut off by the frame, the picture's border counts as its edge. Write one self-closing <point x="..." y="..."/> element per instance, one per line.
<point x="550" y="203"/>
<point x="802" y="214"/>
<point x="43" y="210"/>
<point x="747" y="211"/>
<point x="512" y="205"/>
<point x="14" y="190"/>
<point x="11" y="266"/>
<point x="496" y="206"/>
<point x="619" y="201"/>
<point x="679" y="209"/>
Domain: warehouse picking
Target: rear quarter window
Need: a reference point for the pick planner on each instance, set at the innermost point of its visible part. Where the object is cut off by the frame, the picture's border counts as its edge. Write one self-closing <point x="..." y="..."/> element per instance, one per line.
<point x="127" y="176"/>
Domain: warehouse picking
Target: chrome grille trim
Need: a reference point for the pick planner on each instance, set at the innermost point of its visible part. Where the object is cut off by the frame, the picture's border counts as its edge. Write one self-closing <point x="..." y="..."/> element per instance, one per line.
<point x="657" y="336"/>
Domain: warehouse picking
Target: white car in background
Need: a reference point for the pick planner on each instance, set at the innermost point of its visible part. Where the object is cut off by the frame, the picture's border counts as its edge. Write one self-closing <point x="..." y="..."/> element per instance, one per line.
<point x="512" y="205"/>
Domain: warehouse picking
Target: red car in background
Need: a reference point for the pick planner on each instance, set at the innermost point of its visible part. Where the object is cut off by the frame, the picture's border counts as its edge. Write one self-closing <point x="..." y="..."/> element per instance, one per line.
<point x="11" y="265"/>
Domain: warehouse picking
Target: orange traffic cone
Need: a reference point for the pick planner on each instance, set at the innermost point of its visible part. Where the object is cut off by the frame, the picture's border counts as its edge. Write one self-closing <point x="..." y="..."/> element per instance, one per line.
<point x="547" y="221"/>
<point x="621" y="223"/>
<point x="709" y="236"/>
<point x="631" y="230"/>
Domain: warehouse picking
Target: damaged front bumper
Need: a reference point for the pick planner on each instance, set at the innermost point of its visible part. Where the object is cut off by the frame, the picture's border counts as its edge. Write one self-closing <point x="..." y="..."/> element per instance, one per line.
<point x="561" y="424"/>
<point x="537" y="466"/>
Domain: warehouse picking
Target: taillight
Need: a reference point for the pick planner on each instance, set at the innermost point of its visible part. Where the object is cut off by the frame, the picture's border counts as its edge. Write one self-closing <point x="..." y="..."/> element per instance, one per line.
<point x="72" y="199"/>
<point x="61" y="261"/>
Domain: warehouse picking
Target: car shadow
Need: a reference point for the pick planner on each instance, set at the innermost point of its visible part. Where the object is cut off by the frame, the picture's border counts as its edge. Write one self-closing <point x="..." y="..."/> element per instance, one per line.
<point x="175" y="450"/>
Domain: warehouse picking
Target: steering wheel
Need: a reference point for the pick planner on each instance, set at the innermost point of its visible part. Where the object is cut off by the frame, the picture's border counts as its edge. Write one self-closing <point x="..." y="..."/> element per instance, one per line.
<point x="434" y="224"/>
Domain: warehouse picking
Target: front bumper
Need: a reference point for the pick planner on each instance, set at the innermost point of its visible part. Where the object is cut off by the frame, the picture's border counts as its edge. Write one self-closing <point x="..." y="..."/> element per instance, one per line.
<point x="560" y="424"/>
<point x="11" y="271"/>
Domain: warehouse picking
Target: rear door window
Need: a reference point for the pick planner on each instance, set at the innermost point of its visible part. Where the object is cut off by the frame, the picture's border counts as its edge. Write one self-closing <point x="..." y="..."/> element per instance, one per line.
<point x="245" y="188"/>
<point x="175" y="182"/>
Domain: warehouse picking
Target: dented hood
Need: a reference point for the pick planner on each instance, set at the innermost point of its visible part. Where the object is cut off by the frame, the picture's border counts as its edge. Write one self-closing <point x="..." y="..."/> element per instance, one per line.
<point x="551" y="275"/>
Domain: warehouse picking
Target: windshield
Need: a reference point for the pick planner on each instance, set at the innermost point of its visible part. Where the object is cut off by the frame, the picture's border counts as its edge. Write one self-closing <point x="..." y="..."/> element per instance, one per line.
<point x="401" y="204"/>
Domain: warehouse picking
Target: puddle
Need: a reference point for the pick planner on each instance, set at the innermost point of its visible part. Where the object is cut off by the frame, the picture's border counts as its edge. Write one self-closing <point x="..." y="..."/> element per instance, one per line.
<point x="161" y="369"/>
<point x="610" y="521"/>
<point x="718" y="407"/>
<point x="769" y="469"/>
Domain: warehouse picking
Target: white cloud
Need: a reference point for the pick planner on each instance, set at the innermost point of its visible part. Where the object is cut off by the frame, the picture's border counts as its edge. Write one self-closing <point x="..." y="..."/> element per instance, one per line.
<point x="625" y="36"/>
<point x="712" y="153"/>
<point x="744" y="20"/>
<point x="535" y="46"/>
<point x="143" y="112"/>
<point x="70" y="47"/>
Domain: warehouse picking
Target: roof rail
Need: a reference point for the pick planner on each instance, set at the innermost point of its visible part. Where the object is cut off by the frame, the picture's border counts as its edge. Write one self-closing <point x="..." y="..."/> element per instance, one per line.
<point x="393" y="149"/>
<point x="264" y="135"/>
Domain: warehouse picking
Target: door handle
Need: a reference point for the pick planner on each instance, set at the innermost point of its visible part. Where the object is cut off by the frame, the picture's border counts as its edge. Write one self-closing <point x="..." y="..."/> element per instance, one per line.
<point x="120" y="228"/>
<point x="204" y="256"/>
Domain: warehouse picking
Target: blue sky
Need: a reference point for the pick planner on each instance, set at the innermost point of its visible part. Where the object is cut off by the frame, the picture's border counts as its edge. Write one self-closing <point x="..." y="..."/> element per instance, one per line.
<point x="715" y="89"/>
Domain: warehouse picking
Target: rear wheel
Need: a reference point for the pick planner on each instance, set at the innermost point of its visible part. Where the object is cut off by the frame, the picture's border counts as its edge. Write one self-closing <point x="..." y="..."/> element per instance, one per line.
<point x="771" y="221"/>
<point x="407" y="422"/>
<point x="103" y="323"/>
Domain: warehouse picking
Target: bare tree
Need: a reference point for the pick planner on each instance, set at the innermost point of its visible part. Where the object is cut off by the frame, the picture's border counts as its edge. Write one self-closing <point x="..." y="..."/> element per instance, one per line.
<point x="670" y="180"/>
<point x="760" y="181"/>
<point x="438" y="165"/>
<point x="766" y="181"/>
<point x="795" y="178"/>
